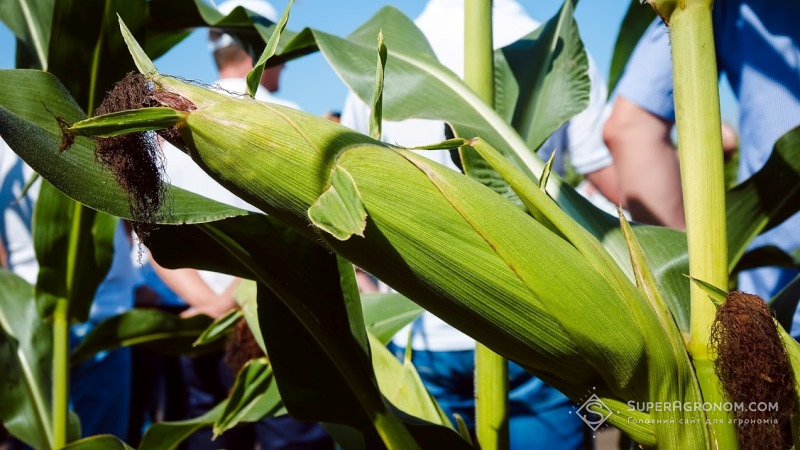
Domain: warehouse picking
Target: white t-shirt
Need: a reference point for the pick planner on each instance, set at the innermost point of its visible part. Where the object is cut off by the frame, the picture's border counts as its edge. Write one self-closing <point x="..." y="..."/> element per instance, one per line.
<point x="442" y="23"/>
<point x="184" y="173"/>
<point x="17" y="214"/>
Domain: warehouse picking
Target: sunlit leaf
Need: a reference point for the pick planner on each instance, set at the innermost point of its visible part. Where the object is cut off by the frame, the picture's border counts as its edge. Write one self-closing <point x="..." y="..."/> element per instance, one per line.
<point x="254" y="76"/>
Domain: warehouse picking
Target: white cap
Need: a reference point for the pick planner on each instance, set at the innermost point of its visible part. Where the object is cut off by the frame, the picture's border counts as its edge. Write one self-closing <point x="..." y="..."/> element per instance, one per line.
<point x="260" y="7"/>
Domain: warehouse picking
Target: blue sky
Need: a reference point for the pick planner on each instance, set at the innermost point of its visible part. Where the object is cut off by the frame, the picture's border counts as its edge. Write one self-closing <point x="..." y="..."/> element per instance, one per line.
<point x="313" y="85"/>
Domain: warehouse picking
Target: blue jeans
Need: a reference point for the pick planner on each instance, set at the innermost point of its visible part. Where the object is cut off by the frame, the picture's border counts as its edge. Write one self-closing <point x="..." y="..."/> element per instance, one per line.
<point x="100" y="389"/>
<point x="540" y="417"/>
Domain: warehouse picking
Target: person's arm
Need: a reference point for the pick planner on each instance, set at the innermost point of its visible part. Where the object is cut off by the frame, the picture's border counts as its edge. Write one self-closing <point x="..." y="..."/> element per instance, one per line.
<point x="646" y="163"/>
<point x="3" y="256"/>
<point x="189" y="286"/>
<point x="587" y="151"/>
<point x="606" y="181"/>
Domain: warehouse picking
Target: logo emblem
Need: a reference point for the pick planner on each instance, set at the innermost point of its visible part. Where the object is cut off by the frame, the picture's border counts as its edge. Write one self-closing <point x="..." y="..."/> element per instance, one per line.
<point x="595" y="419"/>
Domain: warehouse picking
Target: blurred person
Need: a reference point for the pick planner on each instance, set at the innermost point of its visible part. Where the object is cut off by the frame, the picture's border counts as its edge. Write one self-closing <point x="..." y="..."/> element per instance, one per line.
<point x="333" y="116"/>
<point x="758" y="49"/>
<point x="540" y="416"/>
<point x="99" y="387"/>
<point x="208" y="378"/>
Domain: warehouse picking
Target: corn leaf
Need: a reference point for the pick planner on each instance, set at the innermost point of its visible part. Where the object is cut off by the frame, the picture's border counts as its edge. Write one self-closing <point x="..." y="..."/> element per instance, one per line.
<point x="247" y="402"/>
<point x="339" y="210"/>
<point x="100" y="442"/>
<point x="254" y="76"/>
<point x="715" y="294"/>
<point x="784" y="304"/>
<point x="768" y="256"/>
<point x="26" y="358"/>
<point x="766" y="199"/>
<point x="254" y="395"/>
<point x="386" y="314"/>
<point x="159" y="331"/>
<point x="671" y="358"/>
<point x="143" y="63"/>
<point x="110" y="124"/>
<point x="168" y="435"/>
<point x="170" y="20"/>
<point x="220" y="327"/>
<point x="71" y="273"/>
<point x="400" y="384"/>
<point x="29" y="103"/>
<point x="376" y="112"/>
<point x="550" y="66"/>
<point x="30" y="21"/>
<point x="793" y="352"/>
<point x="245" y="297"/>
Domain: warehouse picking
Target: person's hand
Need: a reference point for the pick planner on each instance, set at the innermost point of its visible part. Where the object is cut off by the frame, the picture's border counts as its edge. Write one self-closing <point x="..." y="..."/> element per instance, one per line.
<point x="214" y="308"/>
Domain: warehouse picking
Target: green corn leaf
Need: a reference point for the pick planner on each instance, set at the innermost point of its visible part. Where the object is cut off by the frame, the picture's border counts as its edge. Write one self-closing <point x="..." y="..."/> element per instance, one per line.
<point x="168" y="435"/>
<point x="400" y="384"/>
<point x="376" y="112"/>
<point x="768" y="256"/>
<point x="87" y="48"/>
<point x="26" y="358"/>
<point x="339" y="210"/>
<point x="159" y="331"/>
<point x="672" y="358"/>
<point x="386" y="314"/>
<point x="636" y="424"/>
<point x="784" y="304"/>
<point x="793" y="351"/>
<point x="170" y="19"/>
<point x="100" y="442"/>
<point x="140" y="58"/>
<point x="411" y="61"/>
<point x="548" y="168"/>
<point x="715" y="294"/>
<point x="29" y="103"/>
<point x="245" y="297"/>
<point x="74" y="247"/>
<point x="551" y="68"/>
<point x="220" y="327"/>
<point x="122" y="122"/>
<point x="463" y="430"/>
<point x="253" y="396"/>
<point x="254" y="77"/>
<point x="506" y="88"/>
<point x="766" y="199"/>
<point x="247" y="402"/>
<point x="30" y="21"/>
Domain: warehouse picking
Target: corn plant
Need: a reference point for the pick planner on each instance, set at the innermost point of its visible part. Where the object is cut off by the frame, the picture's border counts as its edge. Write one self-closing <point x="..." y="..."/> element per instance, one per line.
<point x="529" y="269"/>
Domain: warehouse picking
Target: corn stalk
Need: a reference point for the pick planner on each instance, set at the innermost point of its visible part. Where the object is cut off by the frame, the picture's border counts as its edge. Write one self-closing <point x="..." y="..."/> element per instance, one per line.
<point x="491" y="369"/>
<point x="700" y="152"/>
